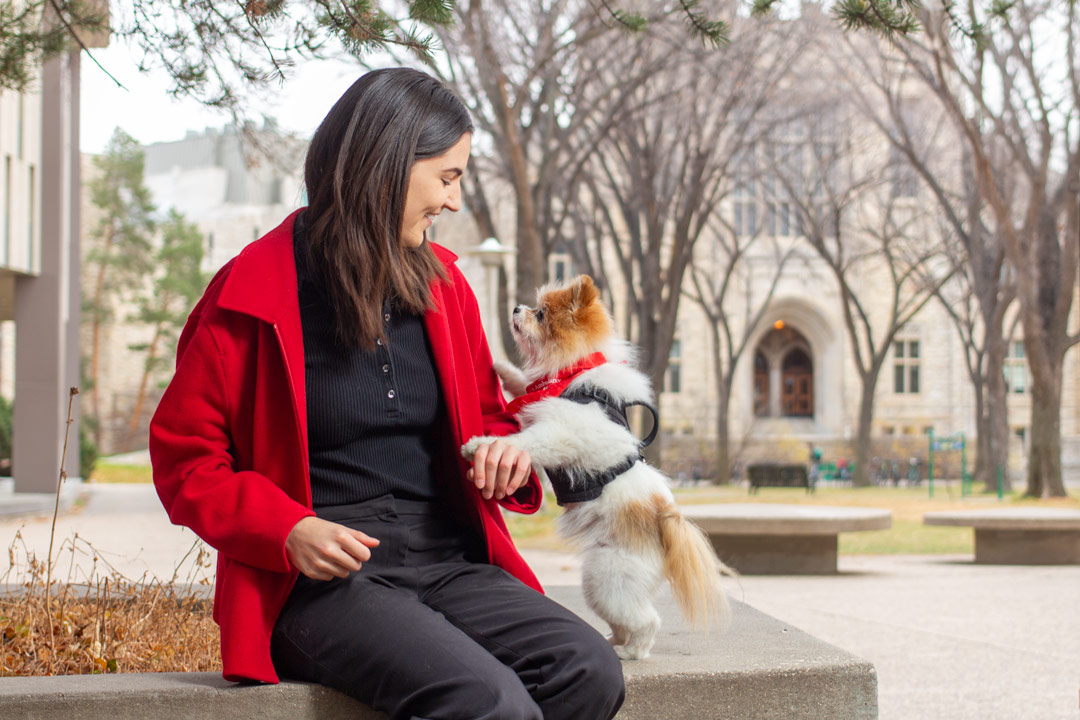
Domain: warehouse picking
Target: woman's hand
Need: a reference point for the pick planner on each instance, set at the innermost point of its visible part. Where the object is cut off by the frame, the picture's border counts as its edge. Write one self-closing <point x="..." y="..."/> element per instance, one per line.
<point x="499" y="469"/>
<point x="323" y="550"/>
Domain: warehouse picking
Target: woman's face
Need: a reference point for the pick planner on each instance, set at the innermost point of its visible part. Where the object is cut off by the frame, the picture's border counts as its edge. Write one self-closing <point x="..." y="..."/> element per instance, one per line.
<point x="434" y="186"/>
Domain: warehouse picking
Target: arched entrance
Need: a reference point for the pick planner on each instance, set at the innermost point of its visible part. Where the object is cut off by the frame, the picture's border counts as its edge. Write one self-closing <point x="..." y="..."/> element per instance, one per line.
<point x="797" y="391"/>
<point x="783" y="375"/>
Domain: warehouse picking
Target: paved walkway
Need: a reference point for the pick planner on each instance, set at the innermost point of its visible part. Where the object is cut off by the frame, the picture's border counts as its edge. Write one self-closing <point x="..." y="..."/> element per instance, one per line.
<point x="950" y="640"/>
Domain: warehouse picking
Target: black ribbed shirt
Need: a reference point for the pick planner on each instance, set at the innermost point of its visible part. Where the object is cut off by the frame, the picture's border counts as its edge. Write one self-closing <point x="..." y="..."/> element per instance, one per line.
<point x="373" y="415"/>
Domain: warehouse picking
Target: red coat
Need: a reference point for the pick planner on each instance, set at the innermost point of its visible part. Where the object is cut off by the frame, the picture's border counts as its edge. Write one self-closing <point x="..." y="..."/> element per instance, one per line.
<point x="229" y="439"/>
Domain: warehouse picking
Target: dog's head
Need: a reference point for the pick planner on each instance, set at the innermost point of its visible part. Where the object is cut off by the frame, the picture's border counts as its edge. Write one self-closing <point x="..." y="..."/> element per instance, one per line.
<point x="568" y="323"/>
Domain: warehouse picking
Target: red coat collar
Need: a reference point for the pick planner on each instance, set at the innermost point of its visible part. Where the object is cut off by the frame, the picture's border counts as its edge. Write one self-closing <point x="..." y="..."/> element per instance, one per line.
<point x="553" y="385"/>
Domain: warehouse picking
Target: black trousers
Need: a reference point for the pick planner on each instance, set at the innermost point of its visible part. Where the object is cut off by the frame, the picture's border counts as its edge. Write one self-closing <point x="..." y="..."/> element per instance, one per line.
<point x="428" y="629"/>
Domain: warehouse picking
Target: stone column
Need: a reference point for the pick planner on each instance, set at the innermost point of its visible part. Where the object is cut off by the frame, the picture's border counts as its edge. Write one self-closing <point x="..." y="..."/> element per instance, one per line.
<point x="46" y="305"/>
<point x="776" y="389"/>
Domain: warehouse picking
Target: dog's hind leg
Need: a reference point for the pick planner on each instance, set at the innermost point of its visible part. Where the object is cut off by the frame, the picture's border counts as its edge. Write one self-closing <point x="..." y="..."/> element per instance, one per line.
<point x="618" y="587"/>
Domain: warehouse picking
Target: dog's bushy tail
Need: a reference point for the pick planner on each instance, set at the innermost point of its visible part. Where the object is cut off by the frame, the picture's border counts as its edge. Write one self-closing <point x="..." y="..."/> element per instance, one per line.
<point x="692" y="568"/>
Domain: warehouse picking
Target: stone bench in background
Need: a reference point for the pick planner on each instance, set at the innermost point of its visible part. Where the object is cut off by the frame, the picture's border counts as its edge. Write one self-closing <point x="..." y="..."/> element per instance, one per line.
<point x="772" y="539"/>
<point x="760" y="668"/>
<point x="1019" y="536"/>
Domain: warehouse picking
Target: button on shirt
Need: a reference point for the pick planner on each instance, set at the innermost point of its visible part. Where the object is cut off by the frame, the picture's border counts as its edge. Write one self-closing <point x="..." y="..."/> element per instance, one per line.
<point x="374" y="415"/>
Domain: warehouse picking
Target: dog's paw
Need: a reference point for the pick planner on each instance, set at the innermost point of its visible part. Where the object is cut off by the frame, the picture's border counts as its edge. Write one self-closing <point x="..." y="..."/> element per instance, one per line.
<point x="628" y="653"/>
<point x="512" y="378"/>
<point x="468" y="450"/>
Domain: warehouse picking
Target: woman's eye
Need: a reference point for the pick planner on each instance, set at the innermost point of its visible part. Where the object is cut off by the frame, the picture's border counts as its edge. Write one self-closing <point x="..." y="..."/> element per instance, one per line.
<point x="446" y="183"/>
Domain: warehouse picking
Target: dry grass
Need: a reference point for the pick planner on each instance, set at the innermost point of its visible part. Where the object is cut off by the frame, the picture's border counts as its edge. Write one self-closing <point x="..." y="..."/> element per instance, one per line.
<point x="104" y="622"/>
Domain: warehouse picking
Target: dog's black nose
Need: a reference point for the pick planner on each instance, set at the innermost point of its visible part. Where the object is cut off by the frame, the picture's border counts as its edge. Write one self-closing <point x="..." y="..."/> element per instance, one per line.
<point x="518" y="309"/>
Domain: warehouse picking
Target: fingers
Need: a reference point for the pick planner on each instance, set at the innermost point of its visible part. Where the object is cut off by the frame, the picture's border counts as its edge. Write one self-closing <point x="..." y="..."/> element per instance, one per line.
<point x="354" y="544"/>
<point x="324" y="550"/>
<point x="500" y="469"/>
<point x="522" y="471"/>
<point x="479" y="462"/>
<point x="365" y="539"/>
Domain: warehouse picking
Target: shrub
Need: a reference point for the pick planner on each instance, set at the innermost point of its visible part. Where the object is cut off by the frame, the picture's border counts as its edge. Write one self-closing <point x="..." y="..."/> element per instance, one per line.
<point x="88" y="452"/>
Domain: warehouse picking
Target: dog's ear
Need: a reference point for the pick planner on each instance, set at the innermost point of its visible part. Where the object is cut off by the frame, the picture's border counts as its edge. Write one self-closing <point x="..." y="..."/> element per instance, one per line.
<point x="585" y="292"/>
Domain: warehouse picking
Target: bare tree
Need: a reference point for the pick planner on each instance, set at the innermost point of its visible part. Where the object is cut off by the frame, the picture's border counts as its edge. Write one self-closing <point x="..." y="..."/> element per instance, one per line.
<point x="851" y="210"/>
<point x="1016" y="105"/>
<point x="529" y="73"/>
<point x="983" y="290"/>
<point x="664" y="168"/>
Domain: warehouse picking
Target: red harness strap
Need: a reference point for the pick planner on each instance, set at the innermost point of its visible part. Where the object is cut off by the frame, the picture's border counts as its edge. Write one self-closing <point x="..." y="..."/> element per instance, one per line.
<point x="553" y="385"/>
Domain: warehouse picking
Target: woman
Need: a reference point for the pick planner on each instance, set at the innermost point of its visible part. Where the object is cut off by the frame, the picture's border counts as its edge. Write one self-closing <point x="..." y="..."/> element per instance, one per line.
<point x="324" y="386"/>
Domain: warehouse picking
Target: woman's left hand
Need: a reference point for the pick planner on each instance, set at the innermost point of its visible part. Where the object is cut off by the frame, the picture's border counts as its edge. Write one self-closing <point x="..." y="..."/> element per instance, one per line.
<point x="499" y="469"/>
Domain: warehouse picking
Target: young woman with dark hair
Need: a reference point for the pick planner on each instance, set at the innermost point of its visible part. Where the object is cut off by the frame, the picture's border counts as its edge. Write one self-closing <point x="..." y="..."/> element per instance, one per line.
<point x="324" y="386"/>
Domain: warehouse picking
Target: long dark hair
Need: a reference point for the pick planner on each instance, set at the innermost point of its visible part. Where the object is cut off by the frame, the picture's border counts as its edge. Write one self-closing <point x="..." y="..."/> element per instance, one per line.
<point x="357" y="176"/>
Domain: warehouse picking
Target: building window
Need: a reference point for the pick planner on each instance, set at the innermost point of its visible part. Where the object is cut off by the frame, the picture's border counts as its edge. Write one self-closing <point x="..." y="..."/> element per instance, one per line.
<point x="31" y="214"/>
<point x="745" y="196"/>
<point x="673" y="376"/>
<point x="1016" y="371"/>
<point x="7" y="210"/>
<point x="905" y="181"/>
<point x="19" y="127"/>
<point x="559" y="265"/>
<point x="906" y="366"/>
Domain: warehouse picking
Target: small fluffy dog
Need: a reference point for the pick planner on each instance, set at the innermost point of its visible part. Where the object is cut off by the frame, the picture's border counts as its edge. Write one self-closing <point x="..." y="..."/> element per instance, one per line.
<point x="571" y="400"/>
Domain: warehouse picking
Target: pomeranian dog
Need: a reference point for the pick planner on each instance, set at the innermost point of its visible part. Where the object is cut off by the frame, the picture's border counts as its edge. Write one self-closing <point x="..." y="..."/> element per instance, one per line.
<point x="572" y="397"/>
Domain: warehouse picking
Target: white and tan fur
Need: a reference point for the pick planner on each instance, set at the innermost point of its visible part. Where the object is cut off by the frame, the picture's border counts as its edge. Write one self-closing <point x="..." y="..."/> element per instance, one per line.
<point x="633" y="536"/>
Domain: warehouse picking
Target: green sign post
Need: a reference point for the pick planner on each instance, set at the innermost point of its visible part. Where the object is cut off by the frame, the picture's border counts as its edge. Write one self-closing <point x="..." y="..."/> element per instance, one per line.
<point x="942" y="444"/>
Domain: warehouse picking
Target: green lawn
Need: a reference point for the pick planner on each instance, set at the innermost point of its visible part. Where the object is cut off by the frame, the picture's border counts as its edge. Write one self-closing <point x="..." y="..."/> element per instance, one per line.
<point x="109" y="473"/>
<point x="907" y="536"/>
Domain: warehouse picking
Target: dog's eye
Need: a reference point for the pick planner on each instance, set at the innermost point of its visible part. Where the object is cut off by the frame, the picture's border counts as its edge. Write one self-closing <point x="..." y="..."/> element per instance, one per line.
<point x="539" y="315"/>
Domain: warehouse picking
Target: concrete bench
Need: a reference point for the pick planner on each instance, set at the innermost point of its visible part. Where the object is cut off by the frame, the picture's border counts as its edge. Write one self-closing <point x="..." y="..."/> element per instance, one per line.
<point x="1019" y="536"/>
<point x="760" y="668"/>
<point x="768" y="539"/>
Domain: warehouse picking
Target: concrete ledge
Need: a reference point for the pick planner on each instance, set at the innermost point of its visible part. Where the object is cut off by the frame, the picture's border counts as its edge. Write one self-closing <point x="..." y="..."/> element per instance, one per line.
<point x="18" y="504"/>
<point x="773" y="539"/>
<point x="1019" y="536"/>
<point x="761" y="668"/>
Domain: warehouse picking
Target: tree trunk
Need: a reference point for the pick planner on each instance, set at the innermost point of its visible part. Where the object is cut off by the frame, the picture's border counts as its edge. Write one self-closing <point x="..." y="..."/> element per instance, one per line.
<point x="1044" y="458"/>
<point x="97" y="313"/>
<point x="509" y="345"/>
<point x="997" y="419"/>
<point x="653" y="453"/>
<point x="982" y="473"/>
<point x="140" y="398"/>
<point x="723" y="436"/>
<point x="862" y="440"/>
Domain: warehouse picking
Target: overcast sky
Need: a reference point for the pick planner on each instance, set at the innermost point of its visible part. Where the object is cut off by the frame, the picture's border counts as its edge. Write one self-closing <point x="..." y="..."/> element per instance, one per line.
<point x="149" y="114"/>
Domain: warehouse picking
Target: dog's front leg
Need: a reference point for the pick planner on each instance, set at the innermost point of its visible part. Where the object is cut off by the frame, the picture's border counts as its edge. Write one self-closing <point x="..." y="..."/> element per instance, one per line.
<point x="524" y="440"/>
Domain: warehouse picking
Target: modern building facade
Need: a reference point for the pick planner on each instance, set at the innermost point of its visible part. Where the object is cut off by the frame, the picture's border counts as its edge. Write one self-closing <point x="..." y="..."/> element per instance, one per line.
<point x="39" y="270"/>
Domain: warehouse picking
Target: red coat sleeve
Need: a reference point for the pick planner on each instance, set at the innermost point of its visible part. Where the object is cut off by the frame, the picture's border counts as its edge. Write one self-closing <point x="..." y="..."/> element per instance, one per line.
<point x="497" y="421"/>
<point x="243" y="514"/>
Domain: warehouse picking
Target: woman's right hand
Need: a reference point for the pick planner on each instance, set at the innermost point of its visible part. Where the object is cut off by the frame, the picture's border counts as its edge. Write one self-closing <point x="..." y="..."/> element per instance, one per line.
<point x="323" y="550"/>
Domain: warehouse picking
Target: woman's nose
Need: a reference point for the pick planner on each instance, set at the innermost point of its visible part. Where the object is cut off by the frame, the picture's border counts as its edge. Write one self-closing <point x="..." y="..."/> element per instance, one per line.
<point x="453" y="198"/>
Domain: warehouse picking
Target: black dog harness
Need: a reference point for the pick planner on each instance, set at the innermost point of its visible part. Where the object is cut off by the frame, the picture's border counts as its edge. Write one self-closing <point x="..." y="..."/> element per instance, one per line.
<point x="584" y="488"/>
